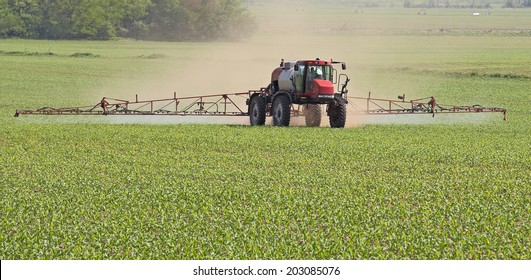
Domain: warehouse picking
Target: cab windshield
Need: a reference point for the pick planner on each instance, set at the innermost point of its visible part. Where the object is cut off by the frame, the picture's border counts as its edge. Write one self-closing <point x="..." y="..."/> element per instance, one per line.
<point x="321" y="72"/>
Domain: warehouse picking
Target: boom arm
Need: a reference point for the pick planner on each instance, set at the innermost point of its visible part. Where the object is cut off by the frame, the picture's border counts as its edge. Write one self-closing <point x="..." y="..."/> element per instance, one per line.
<point x="207" y="105"/>
<point x="227" y="105"/>
<point x="428" y="105"/>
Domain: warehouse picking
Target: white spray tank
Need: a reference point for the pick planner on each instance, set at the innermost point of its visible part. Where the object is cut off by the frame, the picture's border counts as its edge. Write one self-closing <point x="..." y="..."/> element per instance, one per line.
<point x="286" y="79"/>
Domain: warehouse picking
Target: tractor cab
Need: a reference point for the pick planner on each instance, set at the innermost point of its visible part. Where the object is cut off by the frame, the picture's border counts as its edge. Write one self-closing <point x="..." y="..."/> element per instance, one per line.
<point x="305" y="75"/>
<point x="314" y="78"/>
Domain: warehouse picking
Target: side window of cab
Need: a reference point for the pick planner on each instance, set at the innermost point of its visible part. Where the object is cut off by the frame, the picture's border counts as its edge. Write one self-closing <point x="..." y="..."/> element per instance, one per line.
<point x="299" y="78"/>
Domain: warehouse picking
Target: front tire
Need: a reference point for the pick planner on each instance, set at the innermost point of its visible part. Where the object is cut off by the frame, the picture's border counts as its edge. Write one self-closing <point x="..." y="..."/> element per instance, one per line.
<point x="312" y="114"/>
<point x="257" y="110"/>
<point x="281" y="111"/>
<point x="337" y="114"/>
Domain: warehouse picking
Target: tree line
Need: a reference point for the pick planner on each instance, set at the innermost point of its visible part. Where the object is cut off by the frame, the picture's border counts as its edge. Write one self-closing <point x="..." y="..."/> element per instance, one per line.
<point x="164" y="20"/>
<point x="517" y="3"/>
<point x="472" y="4"/>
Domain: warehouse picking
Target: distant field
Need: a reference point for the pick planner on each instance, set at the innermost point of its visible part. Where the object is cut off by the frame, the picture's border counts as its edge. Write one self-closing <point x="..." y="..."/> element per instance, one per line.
<point x="94" y="190"/>
<point x="394" y="21"/>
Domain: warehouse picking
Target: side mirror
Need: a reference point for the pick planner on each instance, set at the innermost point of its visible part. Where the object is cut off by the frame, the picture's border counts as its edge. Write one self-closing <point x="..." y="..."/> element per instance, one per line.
<point x="296" y="67"/>
<point x="344" y="66"/>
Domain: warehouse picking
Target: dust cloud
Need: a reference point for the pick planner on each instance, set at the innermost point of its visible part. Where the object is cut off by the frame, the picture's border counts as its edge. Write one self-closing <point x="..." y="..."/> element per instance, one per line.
<point x="286" y="31"/>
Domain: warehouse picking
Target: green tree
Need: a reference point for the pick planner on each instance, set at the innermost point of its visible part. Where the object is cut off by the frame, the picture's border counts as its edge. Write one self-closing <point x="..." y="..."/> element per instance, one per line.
<point x="237" y="22"/>
<point x="88" y="19"/>
<point x="167" y="20"/>
<point x="18" y="17"/>
<point x="10" y="23"/>
<point x="219" y="19"/>
<point x="74" y="19"/>
<point x="131" y="15"/>
<point x="193" y="20"/>
<point x="170" y="20"/>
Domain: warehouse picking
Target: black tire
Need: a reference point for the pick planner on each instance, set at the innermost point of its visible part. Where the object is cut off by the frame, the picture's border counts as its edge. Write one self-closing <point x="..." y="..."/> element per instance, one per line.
<point x="312" y="114"/>
<point x="257" y="110"/>
<point x="281" y="111"/>
<point x="337" y="114"/>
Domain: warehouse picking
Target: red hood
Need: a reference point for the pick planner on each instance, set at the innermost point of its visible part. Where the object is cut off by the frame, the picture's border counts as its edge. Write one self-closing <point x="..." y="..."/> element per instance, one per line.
<point x="322" y="87"/>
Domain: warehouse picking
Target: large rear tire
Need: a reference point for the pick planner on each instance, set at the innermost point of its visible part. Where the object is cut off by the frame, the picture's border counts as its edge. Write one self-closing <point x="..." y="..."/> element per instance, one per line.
<point x="312" y="114"/>
<point x="337" y="114"/>
<point x="257" y="110"/>
<point x="281" y="111"/>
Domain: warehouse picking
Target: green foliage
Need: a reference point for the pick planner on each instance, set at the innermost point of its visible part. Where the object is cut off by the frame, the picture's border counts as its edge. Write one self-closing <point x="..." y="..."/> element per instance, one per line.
<point x="169" y="20"/>
<point x="214" y="192"/>
<point x="196" y="20"/>
<point x="10" y="24"/>
<point x="222" y="19"/>
<point x="18" y="18"/>
<point x="91" y="19"/>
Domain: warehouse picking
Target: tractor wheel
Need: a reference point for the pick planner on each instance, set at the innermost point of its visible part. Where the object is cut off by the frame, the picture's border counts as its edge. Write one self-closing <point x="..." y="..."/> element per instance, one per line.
<point x="312" y="114"/>
<point x="257" y="110"/>
<point x="337" y="114"/>
<point x="281" y="111"/>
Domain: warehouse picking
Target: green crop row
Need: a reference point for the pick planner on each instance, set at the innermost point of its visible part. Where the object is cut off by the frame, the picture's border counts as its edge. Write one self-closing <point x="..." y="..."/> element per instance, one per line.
<point x="201" y="192"/>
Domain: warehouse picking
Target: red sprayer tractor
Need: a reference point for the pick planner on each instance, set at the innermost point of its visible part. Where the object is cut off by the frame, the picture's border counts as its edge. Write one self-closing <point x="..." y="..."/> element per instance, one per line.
<point x="297" y="88"/>
<point x="305" y="82"/>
